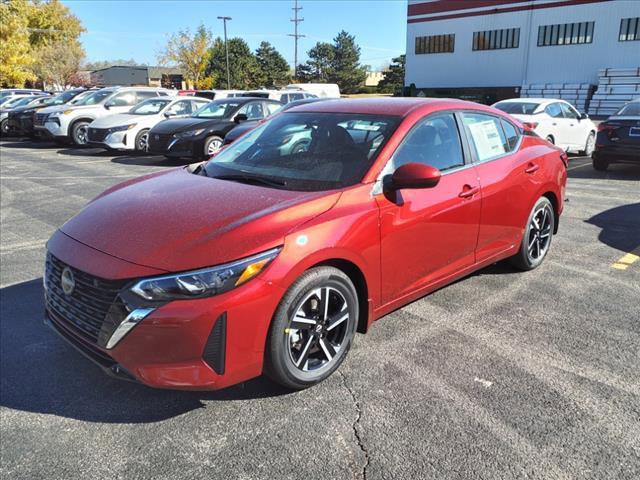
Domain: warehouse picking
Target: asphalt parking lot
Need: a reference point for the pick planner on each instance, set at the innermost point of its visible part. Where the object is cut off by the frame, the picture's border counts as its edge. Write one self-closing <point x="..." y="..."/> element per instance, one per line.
<point x="500" y="375"/>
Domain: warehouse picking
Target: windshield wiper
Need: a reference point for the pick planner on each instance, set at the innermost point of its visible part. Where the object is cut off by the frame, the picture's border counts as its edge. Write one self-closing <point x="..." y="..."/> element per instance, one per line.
<point x="252" y="179"/>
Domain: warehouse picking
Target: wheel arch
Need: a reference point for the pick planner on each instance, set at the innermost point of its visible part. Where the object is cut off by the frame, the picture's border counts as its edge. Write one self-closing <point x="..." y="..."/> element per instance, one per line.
<point x="554" y="202"/>
<point x="76" y="120"/>
<point x="359" y="281"/>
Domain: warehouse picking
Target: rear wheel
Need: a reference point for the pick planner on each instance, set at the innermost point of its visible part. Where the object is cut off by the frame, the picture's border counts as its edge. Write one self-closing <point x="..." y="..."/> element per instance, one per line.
<point x="537" y="236"/>
<point x="590" y="145"/>
<point x="600" y="164"/>
<point x="312" y="329"/>
<point x="142" y="141"/>
<point x="79" y="132"/>
<point x="4" y="127"/>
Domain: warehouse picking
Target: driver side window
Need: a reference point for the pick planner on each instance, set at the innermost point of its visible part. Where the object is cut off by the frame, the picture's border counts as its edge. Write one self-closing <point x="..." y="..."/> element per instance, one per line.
<point x="181" y="108"/>
<point x="434" y="141"/>
<point x="253" y="111"/>
<point x="123" y="99"/>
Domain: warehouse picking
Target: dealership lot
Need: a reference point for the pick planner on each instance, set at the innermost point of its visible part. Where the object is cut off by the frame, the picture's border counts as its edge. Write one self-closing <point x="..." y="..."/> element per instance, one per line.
<point x="500" y="375"/>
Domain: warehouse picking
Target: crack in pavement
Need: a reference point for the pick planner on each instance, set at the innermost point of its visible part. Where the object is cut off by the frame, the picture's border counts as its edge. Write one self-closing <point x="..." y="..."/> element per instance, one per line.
<point x="355" y="424"/>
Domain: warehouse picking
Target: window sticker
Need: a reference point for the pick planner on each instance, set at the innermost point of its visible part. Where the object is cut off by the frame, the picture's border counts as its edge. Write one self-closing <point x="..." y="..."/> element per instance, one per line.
<point x="487" y="139"/>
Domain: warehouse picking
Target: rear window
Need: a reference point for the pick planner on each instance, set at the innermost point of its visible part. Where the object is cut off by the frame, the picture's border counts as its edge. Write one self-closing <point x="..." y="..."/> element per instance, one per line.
<point x="630" y="109"/>
<point x="517" y="108"/>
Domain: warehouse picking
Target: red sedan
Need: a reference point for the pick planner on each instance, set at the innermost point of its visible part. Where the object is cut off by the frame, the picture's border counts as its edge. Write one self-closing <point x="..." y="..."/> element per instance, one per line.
<point x="270" y="257"/>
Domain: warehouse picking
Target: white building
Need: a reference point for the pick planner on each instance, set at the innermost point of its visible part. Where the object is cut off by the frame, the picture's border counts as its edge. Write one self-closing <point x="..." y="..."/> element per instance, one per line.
<point x="486" y="50"/>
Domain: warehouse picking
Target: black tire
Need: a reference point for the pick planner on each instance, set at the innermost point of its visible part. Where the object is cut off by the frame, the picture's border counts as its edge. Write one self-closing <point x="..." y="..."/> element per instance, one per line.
<point x="4" y="127"/>
<point x="589" y="145"/>
<point x="208" y="145"/>
<point x="599" y="164"/>
<point x="141" y="146"/>
<point x="282" y="345"/>
<point x="78" y="133"/>
<point x="536" y="239"/>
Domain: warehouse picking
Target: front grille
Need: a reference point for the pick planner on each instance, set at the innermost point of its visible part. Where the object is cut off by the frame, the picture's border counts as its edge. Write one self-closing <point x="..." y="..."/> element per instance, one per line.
<point x="158" y="141"/>
<point x="97" y="134"/>
<point x="91" y="303"/>
<point x="40" y="119"/>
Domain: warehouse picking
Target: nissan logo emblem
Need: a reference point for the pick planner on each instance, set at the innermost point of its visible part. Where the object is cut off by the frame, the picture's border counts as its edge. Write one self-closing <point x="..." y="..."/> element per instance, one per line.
<point x="67" y="281"/>
<point x="157" y="137"/>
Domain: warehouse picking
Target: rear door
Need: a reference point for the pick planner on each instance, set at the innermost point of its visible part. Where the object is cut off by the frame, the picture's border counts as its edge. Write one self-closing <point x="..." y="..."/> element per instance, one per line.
<point x="507" y="179"/>
<point x="428" y="234"/>
<point x="558" y="125"/>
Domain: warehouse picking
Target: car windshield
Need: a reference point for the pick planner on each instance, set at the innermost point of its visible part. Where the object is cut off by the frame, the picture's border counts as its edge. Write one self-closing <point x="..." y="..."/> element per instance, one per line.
<point x="517" y="108"/>
<point x="217" y="109"/>
<point x="630" y="109"/>
<point x="80" y="98"/>
<point x="150" y="107"/>
<point x="62" y="98"/>
<point x="95" y="97"/>
<point x="20" y="101"/>
<point x="305" y="151"/>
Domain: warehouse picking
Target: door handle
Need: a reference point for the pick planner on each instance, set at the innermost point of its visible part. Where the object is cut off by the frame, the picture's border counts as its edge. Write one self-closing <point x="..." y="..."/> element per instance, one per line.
<point x="554" y="124"/>
<point x="531" y="168"/>
<point x="468" y="191"/>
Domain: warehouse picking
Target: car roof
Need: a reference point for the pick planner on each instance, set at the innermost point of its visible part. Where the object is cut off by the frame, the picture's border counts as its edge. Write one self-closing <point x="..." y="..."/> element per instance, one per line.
<point x="533" y="100"/>
<point x="242" y="100"/>
<point x="396" y="106"/>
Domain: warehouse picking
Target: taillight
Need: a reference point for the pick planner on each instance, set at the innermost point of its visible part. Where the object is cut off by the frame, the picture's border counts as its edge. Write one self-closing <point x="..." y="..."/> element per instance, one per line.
<point x="531" y="125"/>
<point x="565" y="159"/>
<point x="603" y="127"/>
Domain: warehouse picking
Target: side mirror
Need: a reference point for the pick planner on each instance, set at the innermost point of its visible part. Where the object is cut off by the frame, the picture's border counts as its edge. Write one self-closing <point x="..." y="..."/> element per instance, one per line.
<point x="169" y="114"/>
<point x="107" y="106"/>
<point x="241" y="117"/>
<point x="584" y="116"/>
<point x="414" y="175"/>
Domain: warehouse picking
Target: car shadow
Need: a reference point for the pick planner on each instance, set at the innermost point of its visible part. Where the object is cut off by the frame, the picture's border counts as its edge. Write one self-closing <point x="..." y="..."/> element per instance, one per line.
<point x="152" y="160"/>
<point x="620" y="227"/>
<point x="616" y="171"/>
<point x="27" y="143"/>
<point x="90" y="151"/>
<point x="41" y="373"/>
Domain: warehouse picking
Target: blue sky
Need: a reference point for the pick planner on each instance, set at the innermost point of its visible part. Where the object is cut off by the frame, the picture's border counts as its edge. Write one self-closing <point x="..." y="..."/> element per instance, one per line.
<point x="138" y="29"/>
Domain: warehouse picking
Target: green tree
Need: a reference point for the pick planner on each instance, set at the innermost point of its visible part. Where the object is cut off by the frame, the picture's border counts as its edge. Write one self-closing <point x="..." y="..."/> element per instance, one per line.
<point x="346" y="69"/>
<point x="244" y="71"/>
<point x="274" y="69"/>
<point x="321" y="58"/>
<point x="393" y="81"/>
<point x="191" y="53"/>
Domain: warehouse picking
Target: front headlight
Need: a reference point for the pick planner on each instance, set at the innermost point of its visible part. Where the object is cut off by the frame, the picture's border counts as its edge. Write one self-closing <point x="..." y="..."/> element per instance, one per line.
<point x="205" y="282"/>
<point x="122" y="128"/>
<point x="189" y="133"/>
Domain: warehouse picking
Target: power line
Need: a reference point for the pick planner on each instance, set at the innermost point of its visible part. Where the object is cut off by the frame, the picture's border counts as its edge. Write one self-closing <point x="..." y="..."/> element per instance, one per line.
<point x="296" y="20"/>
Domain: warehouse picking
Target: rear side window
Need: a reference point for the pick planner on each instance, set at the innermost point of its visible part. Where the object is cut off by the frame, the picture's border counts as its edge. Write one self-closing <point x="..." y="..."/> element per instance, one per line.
<point x="435" y="141"/>
<point x="124" y="99"/>
<point x="487" y="135"/>
<point x="554" y="110"/>
<point x="512" y="135"/>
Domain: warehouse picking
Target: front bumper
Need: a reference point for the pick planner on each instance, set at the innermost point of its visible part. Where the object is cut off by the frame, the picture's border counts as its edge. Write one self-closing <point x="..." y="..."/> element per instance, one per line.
<point x="113" y="140"/>
<point x="617" y="153"/>
<point x="176" y="147"/>
<point x="202" y="344"/>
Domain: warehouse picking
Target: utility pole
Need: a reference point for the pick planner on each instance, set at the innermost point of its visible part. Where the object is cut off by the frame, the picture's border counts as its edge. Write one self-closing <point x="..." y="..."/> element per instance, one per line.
<point x="226" y="49"/>
<point x="296" y="36"/>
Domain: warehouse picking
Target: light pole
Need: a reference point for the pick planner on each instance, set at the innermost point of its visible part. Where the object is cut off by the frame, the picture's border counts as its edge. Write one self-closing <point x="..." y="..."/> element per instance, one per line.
<point x="226" y="48"/>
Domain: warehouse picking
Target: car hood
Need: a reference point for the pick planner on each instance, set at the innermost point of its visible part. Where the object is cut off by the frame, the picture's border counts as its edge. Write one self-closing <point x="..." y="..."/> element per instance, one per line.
<point x="175" y="220"/>
<point x="175" y="125"/>
<point x="55" y="108"/>
<point x="122" y="119"/>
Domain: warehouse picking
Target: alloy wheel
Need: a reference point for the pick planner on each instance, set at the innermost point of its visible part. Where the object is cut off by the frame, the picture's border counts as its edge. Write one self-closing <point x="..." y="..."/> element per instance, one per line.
<point x="539" y="234"/>
<point x="591" y="144"/>
<point x="214" y="146"/>
<point x="318" y="329"/>
<point x="81" y="135"/>
<point x="143" y="142"/>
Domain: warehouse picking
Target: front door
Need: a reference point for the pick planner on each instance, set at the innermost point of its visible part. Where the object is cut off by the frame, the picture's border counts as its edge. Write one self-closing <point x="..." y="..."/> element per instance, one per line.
<point x="427" y="234"/>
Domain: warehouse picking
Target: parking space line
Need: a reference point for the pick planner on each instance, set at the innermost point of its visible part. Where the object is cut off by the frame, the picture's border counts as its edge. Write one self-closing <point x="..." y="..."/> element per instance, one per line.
<point x="579" y="166"/>
<point x="627" y="260"/>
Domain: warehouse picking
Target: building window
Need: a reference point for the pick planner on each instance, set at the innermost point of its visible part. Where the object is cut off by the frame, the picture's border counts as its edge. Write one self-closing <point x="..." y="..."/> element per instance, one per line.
<point x="629" y="29"/>
<point x="435" y="44"/>
<point x="565" y="34"/>
<point x="496" y="39"/>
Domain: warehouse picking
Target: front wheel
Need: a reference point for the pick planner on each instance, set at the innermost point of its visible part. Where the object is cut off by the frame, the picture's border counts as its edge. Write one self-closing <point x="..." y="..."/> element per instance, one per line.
<point x="537" y="236"/>
<point x="312" y="329"/>
<point x="142" y="141"/>
<point x="4" y="127"/>
<point x="212" y="145"/>
<point x="79" y="133"/>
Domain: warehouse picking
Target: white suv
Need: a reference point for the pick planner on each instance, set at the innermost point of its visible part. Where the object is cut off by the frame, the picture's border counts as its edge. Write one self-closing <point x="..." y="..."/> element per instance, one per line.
<point x="69" y="122"/>
<point x="130" y="131"/>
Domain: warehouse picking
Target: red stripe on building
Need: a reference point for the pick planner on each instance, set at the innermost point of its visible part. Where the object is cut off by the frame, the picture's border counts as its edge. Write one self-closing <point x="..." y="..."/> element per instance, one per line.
<point x="494" y="11"/>
<point x="452" y="5"/>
